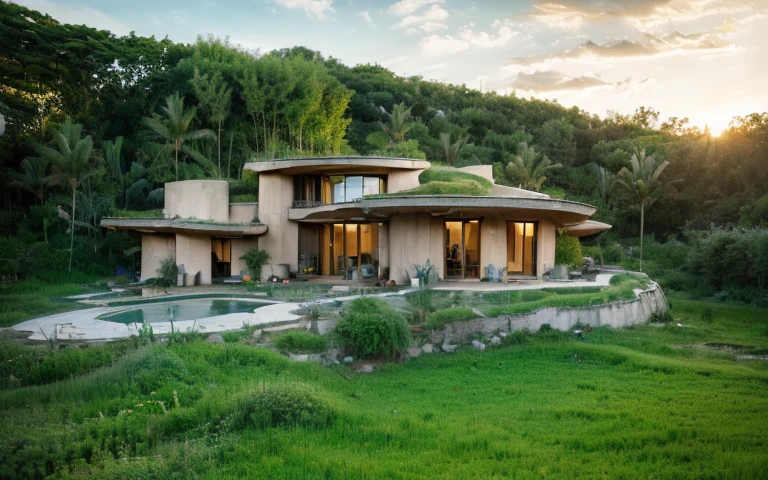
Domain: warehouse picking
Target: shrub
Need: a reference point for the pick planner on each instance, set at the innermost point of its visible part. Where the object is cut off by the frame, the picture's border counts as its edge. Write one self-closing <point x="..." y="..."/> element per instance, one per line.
<point x="372" y="328"/>
<point x="567" y="250"/>
<point x="285" y="405"/>
<point x="302" y="342"/>
<point x="255" y="260"/>
<point x="168" y="271"/>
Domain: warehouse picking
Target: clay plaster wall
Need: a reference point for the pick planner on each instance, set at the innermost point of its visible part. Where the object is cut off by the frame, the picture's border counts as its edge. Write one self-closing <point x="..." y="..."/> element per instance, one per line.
<point x="201" y="199"/>
<point x="154" y="249"/>
<point x="243" y="212"/>
<point x="400" y="180"/>
<point x="194" y="252"/>
<point x="281" y="240"/>
<point x="414" y="238"/>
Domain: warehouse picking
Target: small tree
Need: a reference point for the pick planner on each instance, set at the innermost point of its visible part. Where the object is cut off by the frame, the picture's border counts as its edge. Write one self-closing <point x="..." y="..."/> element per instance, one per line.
<point x="168" y="271"/>
<point x="255" y="260"/>
<point x="567" y="250"/>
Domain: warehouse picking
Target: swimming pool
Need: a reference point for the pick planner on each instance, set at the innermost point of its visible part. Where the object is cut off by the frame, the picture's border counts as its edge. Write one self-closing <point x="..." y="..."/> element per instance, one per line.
<point x="177" y="310"/>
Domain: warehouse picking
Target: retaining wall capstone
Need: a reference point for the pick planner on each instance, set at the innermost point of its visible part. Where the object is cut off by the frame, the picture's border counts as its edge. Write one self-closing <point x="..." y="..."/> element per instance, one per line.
<point x="622" y="314"/>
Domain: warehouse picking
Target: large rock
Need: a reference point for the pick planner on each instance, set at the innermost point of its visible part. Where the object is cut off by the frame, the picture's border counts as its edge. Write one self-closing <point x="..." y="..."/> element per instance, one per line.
<point x="427" y="348"/>
<point x="414" y="352"/>
<point x="299" y="358"/>
<point x="478" y="345"/>
<point x="215" y="338"/>
<point x="348" y="360"/>
<point x="495" y="340"/>
<point x="436" y="338"/>
<point x="367" y="368"/>
<point x="447" y="347"/>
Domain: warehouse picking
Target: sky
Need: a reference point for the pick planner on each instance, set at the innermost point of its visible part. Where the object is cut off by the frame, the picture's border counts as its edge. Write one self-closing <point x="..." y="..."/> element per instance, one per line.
<point x="702" y="59"/>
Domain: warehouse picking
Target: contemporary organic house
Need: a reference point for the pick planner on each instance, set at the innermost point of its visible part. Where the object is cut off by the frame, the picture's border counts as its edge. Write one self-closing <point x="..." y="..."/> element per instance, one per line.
<point x="357" y="218"/>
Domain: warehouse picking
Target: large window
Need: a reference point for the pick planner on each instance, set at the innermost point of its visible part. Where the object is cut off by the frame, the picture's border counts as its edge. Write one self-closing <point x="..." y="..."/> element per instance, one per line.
<point x="350" y="188"/>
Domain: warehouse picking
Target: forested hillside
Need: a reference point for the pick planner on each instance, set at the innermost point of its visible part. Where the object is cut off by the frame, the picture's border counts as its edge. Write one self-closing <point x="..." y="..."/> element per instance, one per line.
<point x="145" y="111"/>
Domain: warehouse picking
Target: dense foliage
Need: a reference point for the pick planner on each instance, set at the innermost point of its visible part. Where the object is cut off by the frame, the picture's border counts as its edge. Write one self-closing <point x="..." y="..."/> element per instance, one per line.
<point x="154" y="110"/>
<point x="372" y="328"/>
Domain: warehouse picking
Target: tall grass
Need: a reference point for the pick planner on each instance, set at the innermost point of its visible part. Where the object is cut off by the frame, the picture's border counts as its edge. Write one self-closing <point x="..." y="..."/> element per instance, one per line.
<point x="634" y="403"/>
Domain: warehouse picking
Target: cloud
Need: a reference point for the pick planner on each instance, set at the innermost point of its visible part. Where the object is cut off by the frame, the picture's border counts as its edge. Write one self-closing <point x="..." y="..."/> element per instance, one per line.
<point x="440" y="45"/>
<point x="550" y="80"/>
<point x="646" y="46"/>
<point x="429" y="21"/>
<point x="642" y="14"/>
<point x="367" y="17"/>
<point x="77" y="14"/>
<point x="407" y="7"/>
<point x="503" y="34"/>
<point x="313" y="8"/>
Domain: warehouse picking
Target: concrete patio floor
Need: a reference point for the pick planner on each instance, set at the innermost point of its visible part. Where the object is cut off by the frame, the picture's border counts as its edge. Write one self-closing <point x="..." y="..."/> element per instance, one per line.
<point x="83" y="325"/>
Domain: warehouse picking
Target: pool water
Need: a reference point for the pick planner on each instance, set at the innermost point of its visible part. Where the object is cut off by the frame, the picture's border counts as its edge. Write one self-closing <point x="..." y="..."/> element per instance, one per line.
<point x="191" y="309"/>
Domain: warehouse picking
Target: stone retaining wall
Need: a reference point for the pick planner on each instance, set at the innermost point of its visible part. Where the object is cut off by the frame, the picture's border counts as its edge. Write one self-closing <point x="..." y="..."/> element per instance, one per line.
<point x="617" y="315"/>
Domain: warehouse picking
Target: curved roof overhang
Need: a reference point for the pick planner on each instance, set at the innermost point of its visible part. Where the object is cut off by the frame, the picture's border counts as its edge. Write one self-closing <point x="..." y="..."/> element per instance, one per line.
<point x="160" y="225"/>
<point x="330" y="165"/>
<point x="587" y="228"/>
<point x="561" y="212"/>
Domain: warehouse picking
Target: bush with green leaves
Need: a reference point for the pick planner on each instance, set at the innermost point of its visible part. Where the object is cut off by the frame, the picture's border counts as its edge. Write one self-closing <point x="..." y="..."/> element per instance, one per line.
<point x="370" y="327"/>
<point x="301" y="342"/>
<point x="168" y="271"/>
<point x="255" y="260"/>
<point x="282" y="405"/>
<point x="567" y="250"/>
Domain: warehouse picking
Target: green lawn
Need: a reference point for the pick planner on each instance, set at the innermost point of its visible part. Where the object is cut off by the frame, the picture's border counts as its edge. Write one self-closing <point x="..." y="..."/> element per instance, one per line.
<point x="615" y="404"/>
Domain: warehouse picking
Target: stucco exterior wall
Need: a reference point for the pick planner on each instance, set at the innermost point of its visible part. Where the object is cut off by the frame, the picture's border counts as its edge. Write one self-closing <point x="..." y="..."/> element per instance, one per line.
<point x="201" y="199"/>
<point x="281" y="240"/>
<point x="398" y="181"/>
<point x="154" y="249"/>
<point x="194" y="252"/>
<point x="243" y="212"/>
<point x="545" y="248"/>
<point x="414" y="238"/>
<point x="239" y="247"/>
<point x="493" y="243"/>
<point x="485" y="171"/>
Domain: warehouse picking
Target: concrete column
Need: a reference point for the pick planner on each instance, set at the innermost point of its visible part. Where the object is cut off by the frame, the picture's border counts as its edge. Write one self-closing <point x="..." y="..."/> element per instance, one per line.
<point x="194" y="252"/>
<point x="282" y="237"/>
<point x="545" y="250"/>
<point x="383" y="248"/>
<point x="493" y="243"/>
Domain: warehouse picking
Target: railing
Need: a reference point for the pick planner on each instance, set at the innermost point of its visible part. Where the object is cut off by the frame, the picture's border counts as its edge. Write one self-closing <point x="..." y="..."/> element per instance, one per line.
<point x="307" y="203"/>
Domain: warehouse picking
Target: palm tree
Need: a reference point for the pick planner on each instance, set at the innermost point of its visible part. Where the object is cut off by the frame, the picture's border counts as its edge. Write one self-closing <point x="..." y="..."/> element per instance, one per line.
<point x="643" y="183"/>
<point x="605" y="180"/>
<point x="33" y="177"/>
<point x="175" y="127"/>
<point x="529" y="167"/>
<point x="71" y="162"/>
<point x="452" y="150"/>
<point x="399" y="123"/>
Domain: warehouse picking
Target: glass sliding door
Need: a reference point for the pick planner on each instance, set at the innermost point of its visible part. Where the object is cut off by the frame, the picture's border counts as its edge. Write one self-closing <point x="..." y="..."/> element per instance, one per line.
<point x="462" y="249"/>
<point x="521" y="248"/>
<point x="352" y="250"/>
